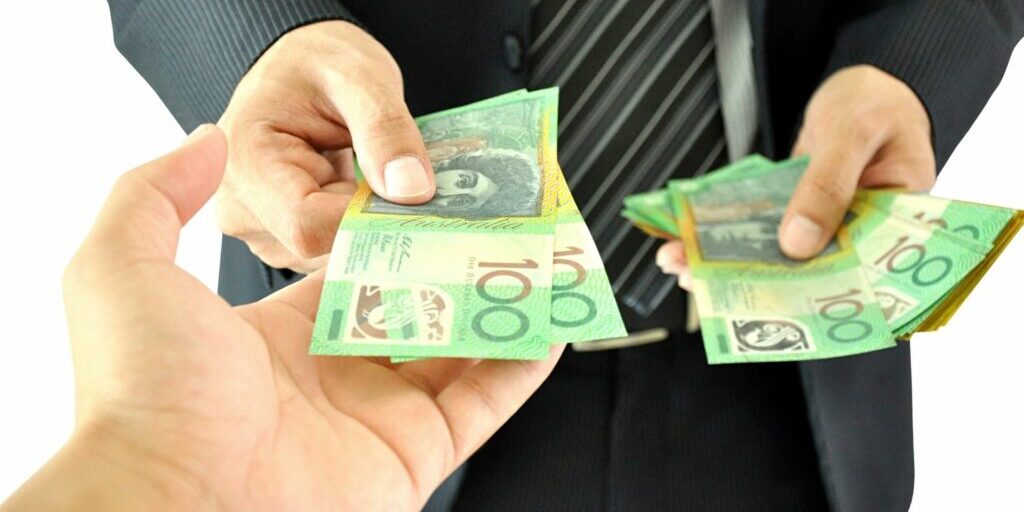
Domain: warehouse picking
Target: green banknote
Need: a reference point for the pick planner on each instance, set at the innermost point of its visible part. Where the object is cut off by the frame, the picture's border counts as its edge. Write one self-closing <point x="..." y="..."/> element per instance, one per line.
<point x="911" y="265"/>
<point x="978" y="222"/>
<point x="469" y="273"/>
<point x="744" y="165"/>
<point x="755" y="304"/>
<point x="937" y="316"/>
<point x="654" y="209"/>
<point x="982" y="228"/>
<point x="583" y="306"/>
<point x="921" y="255"/>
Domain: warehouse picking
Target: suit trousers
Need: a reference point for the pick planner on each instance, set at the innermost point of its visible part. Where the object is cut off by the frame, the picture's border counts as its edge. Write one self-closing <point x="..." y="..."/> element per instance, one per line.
<point x="651" y="427"/>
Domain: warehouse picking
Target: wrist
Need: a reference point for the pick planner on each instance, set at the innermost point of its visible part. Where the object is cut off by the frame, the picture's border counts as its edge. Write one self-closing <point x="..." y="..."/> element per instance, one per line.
<point x="97" y="471"/>
<point x="319" y="48"/>
<point x="315" y="32"/>
<point x="317" y="41"/>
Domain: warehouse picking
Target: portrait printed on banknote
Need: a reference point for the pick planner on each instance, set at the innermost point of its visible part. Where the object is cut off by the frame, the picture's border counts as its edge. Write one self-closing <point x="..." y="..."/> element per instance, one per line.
<point x="480" y="184"/>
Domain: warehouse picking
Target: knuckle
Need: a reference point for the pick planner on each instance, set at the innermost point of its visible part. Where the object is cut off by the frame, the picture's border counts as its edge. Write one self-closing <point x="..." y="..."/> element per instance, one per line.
<point x="275" y="259"/>
<point x="928" y="181"/>
<point x="827" y="189"/>
<point x="232" y="229"/>
<point x="128" y="184"/>
<point x="228" y="214"/>
<point x="923" y="180"/>
<point x="385" y="117"/>
<point x="227" y="227"/>
<point x="380" y="106"/>
<point x="225" y="221"/>
<point x="83" y="270"/>
<point x="302" y="241"/>
<point x="861" y="130"/>
<point x="302" y="267"/>
<point x="927" y="170"/>
<point x="308" y="249"/>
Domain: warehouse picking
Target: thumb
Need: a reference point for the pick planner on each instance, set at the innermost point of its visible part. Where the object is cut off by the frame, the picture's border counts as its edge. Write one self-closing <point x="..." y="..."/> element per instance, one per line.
<point x="388" y="143"/>
<point x="148" y="206"/>
<point x="822" y="196"/>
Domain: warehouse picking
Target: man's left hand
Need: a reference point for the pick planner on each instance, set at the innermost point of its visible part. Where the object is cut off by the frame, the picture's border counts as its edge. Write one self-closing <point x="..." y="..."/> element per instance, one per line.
<point x="862" y="128"/>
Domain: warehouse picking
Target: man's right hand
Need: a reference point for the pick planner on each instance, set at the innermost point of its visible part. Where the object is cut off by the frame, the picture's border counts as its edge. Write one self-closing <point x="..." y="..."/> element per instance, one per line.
<point x="317" y="94"/>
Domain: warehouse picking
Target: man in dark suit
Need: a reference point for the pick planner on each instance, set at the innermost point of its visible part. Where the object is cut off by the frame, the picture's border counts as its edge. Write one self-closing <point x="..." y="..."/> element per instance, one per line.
<point x="878" y="92"/>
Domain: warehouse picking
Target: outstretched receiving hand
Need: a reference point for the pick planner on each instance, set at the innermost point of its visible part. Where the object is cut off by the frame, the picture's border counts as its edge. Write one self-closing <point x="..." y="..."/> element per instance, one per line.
<point x="184" y="402"/>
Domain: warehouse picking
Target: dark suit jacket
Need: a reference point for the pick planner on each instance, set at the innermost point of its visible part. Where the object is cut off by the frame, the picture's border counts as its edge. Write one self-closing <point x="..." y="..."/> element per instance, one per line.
<point x="951" y="53"/>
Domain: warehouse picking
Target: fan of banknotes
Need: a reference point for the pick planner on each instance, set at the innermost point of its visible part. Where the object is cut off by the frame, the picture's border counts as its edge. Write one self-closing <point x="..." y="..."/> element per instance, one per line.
<point x="901" y="263"/>
<point x="499" y="264"/>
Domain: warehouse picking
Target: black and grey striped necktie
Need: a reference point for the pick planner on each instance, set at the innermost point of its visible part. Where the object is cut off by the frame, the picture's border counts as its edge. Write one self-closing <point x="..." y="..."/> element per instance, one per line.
<point x="638" y="106"/>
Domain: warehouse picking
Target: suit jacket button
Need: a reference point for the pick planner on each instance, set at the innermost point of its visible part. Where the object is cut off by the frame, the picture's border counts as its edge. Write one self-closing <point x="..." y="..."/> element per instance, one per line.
<point x="513" y="51"/>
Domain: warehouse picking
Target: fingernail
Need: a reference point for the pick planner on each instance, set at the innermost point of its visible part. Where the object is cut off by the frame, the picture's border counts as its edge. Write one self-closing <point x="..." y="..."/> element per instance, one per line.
<point x="405" y="177"/>
<point x="198" y="132"/>
<point x="801" y="237"/>
<point x="685" y="278"/>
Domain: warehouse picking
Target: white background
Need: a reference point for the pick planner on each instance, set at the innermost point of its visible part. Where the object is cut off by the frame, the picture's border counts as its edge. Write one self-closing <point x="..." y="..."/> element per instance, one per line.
<point x="75" y="115"/>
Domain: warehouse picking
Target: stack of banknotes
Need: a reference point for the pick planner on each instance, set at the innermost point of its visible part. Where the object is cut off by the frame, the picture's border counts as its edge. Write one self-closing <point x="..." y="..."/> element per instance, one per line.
<point x="498" y="265"/>
<point x="900" y="264"/>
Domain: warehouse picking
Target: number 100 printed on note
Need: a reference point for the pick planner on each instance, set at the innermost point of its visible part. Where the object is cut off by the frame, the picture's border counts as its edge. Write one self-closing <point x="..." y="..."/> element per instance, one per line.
<point x="469" y="273"/>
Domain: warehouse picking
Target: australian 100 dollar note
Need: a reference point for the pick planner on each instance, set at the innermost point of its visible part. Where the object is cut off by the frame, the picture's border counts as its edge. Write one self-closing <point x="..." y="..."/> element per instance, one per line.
<point x="467" y="274"/>
<point x="963" y="230"/>
<point x="756" y="304"/>
<point x="652" y="211"/>
<point x="583" y="306"/>
<point x="911" y="265"/>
